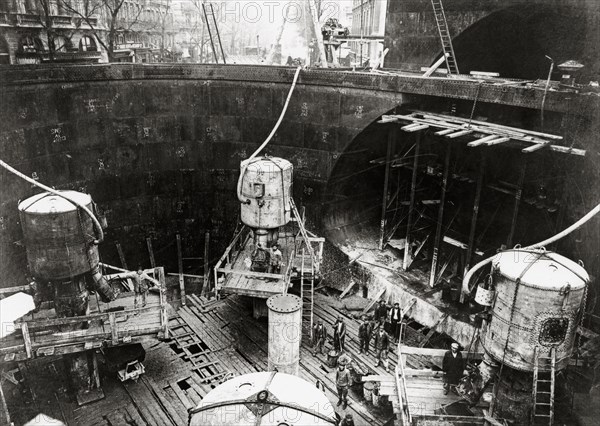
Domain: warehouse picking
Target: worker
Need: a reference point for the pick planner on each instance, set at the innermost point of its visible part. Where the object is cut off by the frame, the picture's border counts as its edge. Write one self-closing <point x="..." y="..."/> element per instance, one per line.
<point x="342" y="382"/>
<point x="382" y="342"/>
<point x="364" y="335"/>
<point x="260" y="259"/>
<point x="140" y="286"/>
<point x="339" y="335"/>
<point x="276" y="259"/>
<point x="452" y="366"/>
<point x="381" y="314"/>
<point x="348" y="420"/>
<point x="395" y="320"/>
<point x="319" y="337"/>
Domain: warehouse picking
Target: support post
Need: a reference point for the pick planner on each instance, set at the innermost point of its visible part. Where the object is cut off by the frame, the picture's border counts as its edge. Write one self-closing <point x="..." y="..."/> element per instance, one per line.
<point x="440" y="218"/>
<point x="151" y="252"/>
<point x="470" y="246"/>
<point x="159" y="273"/>
<point x="518" y="196"/>
<point x="180" y="264"/>
<point x="26" y="340"/>
<point x="121" y="255"/>
<point x="386" y="181"/>
<point x="114" y="331"/>
<point x="5" y="415"/>
<point x="206" y="264"/>
<point x="413" y="188"/>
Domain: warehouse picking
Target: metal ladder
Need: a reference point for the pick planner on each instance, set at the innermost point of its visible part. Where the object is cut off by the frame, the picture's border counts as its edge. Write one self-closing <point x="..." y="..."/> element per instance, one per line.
<point x="307" y="292"/>
<point x="448" y="48"/>
<point x="209" y="13"/>
<point x="542" y="411"/>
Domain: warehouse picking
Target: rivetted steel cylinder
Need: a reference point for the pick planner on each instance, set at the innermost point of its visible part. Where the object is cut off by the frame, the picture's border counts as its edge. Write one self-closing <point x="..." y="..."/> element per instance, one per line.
<point x="58" y="237"/>
<point x="538" y="302"/>
<point x="266" y="188"/>
<point x="285" y="333"/>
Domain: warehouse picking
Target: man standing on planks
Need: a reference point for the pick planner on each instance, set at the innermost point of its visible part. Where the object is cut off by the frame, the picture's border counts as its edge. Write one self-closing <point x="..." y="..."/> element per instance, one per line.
<point x="343" y="380"/>
<point x="319" y="337"/>
<point x="339" y="335"/>
<point x="364" y="335"/>
<point x="140" y="286"/>
<point x="382" y="342"/>
<point x="395" y="320"/>
<point x="453" y="366"/>
<point x="381" y="314"/>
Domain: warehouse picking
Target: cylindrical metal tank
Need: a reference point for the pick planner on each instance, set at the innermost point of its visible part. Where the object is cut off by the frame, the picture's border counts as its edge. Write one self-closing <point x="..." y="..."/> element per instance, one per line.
<point x="58" y="237"/>
<point x="285" y="332"/>
<point x="265" y="398"/>
<point x="539" y="295"/>
<point x="265" y="190"/>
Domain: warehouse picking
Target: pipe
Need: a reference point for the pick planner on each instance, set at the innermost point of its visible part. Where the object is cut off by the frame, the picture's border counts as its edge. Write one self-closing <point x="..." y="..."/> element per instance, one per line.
<point x="97" y="225"/>
<point x="102" y="287"/>
<point x="562" y="234"/>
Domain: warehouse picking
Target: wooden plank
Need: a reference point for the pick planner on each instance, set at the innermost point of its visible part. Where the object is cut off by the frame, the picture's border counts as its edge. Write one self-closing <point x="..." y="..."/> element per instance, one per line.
<point x="180" y="266"/>
<point x="182" y="397"/>
<point x="15" y="289"/>
<point x="26" y="339"/>
<point x="114" y="330"/>
<point x="375" y="299"/>
<point x="432" y="330"/>
<point x="150" y="252"/>
<point x="347" y="289"/>
<point x="458" y="134"/>
<point x="497" y="141"/>
<point x="205" y="283"/>
<point x="481" y="141"/>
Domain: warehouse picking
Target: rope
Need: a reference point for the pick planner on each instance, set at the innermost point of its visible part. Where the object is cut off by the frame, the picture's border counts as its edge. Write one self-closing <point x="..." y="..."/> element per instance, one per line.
<point x="474" y="103"/>
<point x="59" y="194"/>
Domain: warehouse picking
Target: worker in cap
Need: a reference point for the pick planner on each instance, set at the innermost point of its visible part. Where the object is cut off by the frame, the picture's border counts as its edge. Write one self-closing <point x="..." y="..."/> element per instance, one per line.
<point x="452" y="367"/>
<point x="319" y="337"/>
<point x="343" y="380"/>
<point x="395" y="320"/>
<point x="364" y="335"/>
<point x="339" y="334"/>
<point x="276" y="259"/>
<point x="348" y="420"/>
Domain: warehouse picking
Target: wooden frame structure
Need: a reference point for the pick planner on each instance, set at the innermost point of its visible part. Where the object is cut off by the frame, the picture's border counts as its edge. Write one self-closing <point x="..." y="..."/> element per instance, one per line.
<point x="109" y="324"/>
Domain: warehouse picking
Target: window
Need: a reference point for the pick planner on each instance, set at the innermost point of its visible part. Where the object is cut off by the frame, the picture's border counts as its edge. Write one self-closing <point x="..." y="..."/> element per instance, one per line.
<point x="553" y="331"/>
<point x="87" y="44"/>
<point x="31" y="44"/>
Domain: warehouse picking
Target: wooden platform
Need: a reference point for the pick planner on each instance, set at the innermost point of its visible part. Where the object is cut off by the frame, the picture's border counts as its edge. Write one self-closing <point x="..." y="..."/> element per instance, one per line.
<point x="210" y="342"/>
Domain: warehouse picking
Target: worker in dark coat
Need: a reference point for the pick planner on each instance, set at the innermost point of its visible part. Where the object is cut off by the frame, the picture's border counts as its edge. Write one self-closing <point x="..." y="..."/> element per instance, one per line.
<point x="319" y="337"/>
<point x="348" y="420"/>
<point x="364" y="335"/>
<point x="396" y="320"/>
<point x="381" y="314"/>
<point x="339" y="335"/>
<point x="452" y="367"/>
<point x="382" y="343"/>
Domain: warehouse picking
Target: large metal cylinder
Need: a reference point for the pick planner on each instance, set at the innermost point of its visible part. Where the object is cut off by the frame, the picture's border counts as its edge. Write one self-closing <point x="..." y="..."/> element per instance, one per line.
<point x="263" y="398"/>
<point x="285" y="332"/>
<point x="538" y="298"/>
<point x="266" y="189"/>
<point x="58" y="237"/>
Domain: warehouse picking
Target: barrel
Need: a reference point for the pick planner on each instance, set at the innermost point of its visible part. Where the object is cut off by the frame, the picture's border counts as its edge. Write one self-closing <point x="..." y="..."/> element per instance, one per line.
<point x="285" y="333"/>
<point x="332" y="357"/>
<point x="368" y="390"/>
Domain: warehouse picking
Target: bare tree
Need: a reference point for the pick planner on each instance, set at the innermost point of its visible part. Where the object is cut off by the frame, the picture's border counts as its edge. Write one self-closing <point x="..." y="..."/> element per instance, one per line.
<point x="111" y="22"/>
<point x="57" y="38"/>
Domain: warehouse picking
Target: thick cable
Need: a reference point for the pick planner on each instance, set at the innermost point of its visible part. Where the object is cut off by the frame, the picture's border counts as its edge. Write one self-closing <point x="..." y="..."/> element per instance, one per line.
<point x="562" y="234"/>
<point x="268" y="139"/>
<point x="97" y="225"/>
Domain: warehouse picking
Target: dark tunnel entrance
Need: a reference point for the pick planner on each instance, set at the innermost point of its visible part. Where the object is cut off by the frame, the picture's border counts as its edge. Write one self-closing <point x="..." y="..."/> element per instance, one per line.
<point x="514" y="42"/>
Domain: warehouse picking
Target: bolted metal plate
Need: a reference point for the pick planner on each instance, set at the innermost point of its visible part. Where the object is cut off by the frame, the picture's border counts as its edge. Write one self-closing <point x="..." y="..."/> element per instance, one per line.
<point x="284" y="303"/>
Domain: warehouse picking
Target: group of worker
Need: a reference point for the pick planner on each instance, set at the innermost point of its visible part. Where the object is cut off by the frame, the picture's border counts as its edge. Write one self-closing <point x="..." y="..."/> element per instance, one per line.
<point x="268" y="260"/>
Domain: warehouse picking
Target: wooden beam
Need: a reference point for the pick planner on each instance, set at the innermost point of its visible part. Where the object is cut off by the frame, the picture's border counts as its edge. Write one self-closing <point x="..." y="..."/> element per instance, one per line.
<point x="251" y="273"/>
<point x="386" y="178"/>
<point x="459" y="134"/>
<point x="415" y="127"/>
<point x="114" y="330"/>
<point x="445" y="132"/>
<point x="372" y="302"/>
<point x="15" y="289"/>
<point x="481" y="141"/>
<point x="4" y="413"/>
<point x="497" y="141"/>
<point x="411" y="207"/>
<point x="440" y="218"/>
<point x="473" y="227"/>
<point x="150" y="252"/>
<point x="121" y="255"/>
<point x="180" y="266"/>
<point x="206" y="264"/>
<point x="432" y="330"/>
<point x="535" y="147"/>
<point x="518" y="196"/>
<point x="26" y="339"/>
<point x="347" y="289"/>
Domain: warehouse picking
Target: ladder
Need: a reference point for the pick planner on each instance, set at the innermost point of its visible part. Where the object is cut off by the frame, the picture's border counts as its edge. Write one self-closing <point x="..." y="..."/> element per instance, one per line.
<point x="542" y="411"/>
<point x="209" y="15"/>
<point x="448" y="48"/>
<point x="307" y="292"/>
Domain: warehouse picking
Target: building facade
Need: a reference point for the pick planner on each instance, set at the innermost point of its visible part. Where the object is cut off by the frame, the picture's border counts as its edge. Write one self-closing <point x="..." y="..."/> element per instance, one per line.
<point x="40" y="31"/>
<point x="368" y="20"/>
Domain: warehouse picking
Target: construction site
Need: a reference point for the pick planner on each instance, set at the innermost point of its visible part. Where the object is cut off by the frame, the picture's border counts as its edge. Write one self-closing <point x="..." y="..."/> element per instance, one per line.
<point x="408" y="240"/>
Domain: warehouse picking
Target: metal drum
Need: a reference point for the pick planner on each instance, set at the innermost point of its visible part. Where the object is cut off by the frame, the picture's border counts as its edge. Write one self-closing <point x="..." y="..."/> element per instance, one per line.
<point x="285" y="332"/>
<point x="265" y="398"/>
<point x="539" y="295"/>
<point x="266" y="188"/>
<point x="58" y="237"/>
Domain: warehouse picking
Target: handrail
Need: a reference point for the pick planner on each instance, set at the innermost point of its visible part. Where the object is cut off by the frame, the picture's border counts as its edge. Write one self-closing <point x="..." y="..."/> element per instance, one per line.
<point x="401" y="385"/>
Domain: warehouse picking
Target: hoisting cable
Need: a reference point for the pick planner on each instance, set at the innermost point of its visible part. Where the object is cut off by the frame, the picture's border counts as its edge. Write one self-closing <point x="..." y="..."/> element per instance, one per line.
<point x="562" y="234"/>
<point x="268" y="139"/>
<point x="97" y="225"/>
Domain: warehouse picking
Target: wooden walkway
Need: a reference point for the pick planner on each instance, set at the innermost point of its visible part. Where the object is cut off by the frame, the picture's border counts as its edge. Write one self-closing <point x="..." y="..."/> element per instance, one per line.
<point x="210" y="342"/>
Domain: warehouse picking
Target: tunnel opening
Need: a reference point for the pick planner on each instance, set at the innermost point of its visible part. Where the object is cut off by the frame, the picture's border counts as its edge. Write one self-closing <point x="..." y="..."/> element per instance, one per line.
<point x="514" y="42"/>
